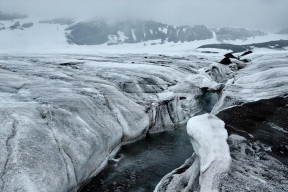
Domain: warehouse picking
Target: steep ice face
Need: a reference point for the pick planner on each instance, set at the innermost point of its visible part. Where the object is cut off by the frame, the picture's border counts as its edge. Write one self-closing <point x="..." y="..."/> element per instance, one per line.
<point x="209" y="140"/>
<point x="208" y="137"/>
<point x="210" y="161"/>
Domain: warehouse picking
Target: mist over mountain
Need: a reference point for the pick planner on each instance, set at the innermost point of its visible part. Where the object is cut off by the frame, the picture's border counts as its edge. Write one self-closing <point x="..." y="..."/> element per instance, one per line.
<point x="103" y="31"/>
<point x="231" y="33"/>
<point x="264" y="15"/>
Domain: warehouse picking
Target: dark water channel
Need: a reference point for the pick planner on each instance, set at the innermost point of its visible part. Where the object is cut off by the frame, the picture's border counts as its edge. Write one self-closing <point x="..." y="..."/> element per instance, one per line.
<point x="143" y="164"/>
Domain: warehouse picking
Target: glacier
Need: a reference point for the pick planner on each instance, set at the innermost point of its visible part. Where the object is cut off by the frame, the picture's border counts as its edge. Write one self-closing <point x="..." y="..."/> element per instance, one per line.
<point x="63" y="116"/>
<point x="247" y="103"/>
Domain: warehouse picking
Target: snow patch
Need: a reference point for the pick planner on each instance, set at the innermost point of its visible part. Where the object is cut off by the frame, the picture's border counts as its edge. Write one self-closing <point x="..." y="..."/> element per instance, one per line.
<point x="133" y="34"/>
<point x="122" y="36"/>
<point x="163" y="29"/>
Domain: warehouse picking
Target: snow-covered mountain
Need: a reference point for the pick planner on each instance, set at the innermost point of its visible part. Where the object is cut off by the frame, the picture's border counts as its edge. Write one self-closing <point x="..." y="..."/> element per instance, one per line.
<point x="100" y="32"/>
<point x="18" y="30"/>
<point x="233" y="33"/>
<point x="283" y="31"/>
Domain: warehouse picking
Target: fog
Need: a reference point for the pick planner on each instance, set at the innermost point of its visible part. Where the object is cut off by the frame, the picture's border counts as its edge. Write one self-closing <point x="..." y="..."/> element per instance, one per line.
<point x="269" y="15"/>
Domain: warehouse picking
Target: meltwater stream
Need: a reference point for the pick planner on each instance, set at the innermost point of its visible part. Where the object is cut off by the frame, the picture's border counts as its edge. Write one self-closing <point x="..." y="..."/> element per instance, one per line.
<point x="143" y="164"/>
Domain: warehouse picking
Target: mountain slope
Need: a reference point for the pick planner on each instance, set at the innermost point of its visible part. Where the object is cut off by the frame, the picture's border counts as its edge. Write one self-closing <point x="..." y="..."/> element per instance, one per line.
<point x="99" y="32"/>
<point x="283" y="31"/>
<point x="64" y="33"/>
<point x="233" y="33"/>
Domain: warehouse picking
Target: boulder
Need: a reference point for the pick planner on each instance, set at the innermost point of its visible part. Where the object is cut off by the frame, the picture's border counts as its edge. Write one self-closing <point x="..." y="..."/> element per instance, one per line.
<point x="230" y="55"/>
<point x="225" y="61"/>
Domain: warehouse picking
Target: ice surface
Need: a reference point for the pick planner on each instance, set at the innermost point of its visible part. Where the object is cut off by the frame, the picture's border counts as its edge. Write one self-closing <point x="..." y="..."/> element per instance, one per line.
<point x="62" y="115"/>
<point x="265" y="77"/>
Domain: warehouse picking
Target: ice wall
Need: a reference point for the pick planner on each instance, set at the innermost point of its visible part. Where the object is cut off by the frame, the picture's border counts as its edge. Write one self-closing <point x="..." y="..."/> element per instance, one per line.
<point x="211" y="160"/>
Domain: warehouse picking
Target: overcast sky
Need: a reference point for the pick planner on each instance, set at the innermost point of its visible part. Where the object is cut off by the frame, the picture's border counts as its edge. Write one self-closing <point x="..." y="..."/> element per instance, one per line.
<point x="269" y="15"/>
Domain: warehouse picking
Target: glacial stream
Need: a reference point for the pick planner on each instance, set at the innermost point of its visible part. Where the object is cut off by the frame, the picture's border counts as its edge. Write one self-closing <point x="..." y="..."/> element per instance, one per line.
<point x="143" y="164"/>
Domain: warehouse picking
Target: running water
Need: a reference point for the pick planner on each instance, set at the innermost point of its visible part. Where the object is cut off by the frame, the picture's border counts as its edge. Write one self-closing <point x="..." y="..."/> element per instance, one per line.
<point x="143" y="164"/>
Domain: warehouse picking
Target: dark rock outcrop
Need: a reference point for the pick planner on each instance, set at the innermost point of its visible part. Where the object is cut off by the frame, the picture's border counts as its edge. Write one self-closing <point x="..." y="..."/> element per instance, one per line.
<point x="246" y="53"/>
<point x="27" y="25"/>
<point x="234" y="48"/>
<point x="280" y="44"/>
<point x="230" y="55"/>
<point x="270" y="44"/>
<point x="225" y="61"/>
<point x="264" y="121"/>
<point x="15" y="25"/>
<point x="245" y="60"/>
